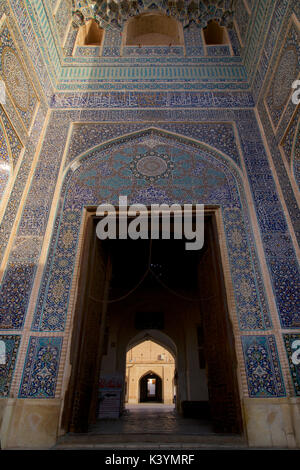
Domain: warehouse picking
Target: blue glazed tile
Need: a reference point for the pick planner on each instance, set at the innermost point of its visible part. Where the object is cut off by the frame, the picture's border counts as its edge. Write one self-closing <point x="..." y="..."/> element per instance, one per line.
<point x="41" y="368"/>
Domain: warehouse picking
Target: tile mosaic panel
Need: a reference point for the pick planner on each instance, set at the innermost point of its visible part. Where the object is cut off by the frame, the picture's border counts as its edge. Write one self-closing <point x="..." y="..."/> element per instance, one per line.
<point x="111" y="43"/>
<point x="10" y="352"/>
<point x="70" y="42"/>
<point x="287" y="70"/>
<point x="250" y="144"/>
<point x="296" y="157"/>
<point x="218" y="51"/>
<point x="52" y="4"/>
<point x="193" y="41"/>
<point x="152" y="100"/>
<point x="288" y="141"/>
<point x="168" y="86"/>
<point x="62" y="18"/>
<point x="87" y="51"/>
<point x="15" y="292"/>
<point x="19" y="184"/>
<point x="218" y="135"/>
<point x="41" y="368"/>
<point x="14" y="142"/>
<point x="5" y="166"/>
<point x="256" y="34"/>
<point x="135" y="51"/>
<point x="147" y="73"/>
<point x="272" y="223"/>
<point x="262" y="365"/>
<point x="8" y="155"/>
<point x="276" y="240"/>
<point x="286" y="188"/>
<point x="272" y="39"/>
<point x="16" y="78"/>
<point x="242" y="19"/>
<point x="292" y="347"/>
<point x="235" y="43"/>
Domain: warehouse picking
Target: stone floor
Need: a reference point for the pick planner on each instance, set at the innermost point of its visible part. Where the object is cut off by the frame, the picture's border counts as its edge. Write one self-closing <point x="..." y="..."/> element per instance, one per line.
<point x="149" y="426"/>
<point x="152" y="418"/>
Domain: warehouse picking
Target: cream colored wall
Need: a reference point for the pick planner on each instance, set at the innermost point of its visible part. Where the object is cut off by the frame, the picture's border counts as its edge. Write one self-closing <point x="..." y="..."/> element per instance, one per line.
<point x="144" y="358"/>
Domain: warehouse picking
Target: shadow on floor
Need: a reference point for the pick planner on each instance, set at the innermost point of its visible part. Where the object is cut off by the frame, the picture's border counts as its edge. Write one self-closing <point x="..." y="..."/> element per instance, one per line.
<point x="152" y="419"/>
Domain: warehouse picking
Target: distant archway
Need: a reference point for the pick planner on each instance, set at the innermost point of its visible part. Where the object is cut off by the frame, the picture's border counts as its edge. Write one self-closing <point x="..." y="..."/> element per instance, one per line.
<point x="150" y="388"/>
<point x="150" y="358"/>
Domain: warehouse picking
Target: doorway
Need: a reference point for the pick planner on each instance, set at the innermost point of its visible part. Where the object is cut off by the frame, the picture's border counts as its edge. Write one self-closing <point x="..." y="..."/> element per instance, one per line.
<point x="181" y="297"/>
<point x="150" y="386"/>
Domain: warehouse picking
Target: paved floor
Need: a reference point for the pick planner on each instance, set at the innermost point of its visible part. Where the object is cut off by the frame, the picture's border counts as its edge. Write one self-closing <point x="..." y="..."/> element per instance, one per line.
<point x="152" y="419"/>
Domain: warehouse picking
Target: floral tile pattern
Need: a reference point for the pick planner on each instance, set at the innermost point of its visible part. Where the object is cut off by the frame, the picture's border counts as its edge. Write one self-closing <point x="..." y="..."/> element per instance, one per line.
<point x="262" y="367"/>
<point x="292" y="346"/>
<point x="40" y="370"/>
<point x="10" y="351"/>
<point x="202" y="109"/>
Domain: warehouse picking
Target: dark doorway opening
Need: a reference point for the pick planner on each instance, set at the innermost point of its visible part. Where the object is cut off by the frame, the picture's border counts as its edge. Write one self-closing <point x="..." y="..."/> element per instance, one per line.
<point x="183" y="296"/>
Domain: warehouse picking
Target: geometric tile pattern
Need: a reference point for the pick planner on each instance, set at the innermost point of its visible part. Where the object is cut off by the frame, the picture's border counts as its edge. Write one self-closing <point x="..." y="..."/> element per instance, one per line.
<point x="274" y="37"/>
<point x="242" y="19"/>
<point x="286" y="72"/>
<point x="13" y="141"/>
<point x="4" y="161"/>
<point x="63" y="17"/>
<point x="279" y="38"/>
<point x="262" y="365"/>
<point x="282" y="264"/>
<point x="152" y="99"/>
<point x="15" y="294"/>
<point x="292" y="346"/>
<point x="12" y="343"/>
<point x="219" y="135"/>
<point x="296" y="155"/>
<point x="288" y="140"/>
<point x="41" y="367"/>
<point x="153" y="85"/>
<point x="16" y="79"/>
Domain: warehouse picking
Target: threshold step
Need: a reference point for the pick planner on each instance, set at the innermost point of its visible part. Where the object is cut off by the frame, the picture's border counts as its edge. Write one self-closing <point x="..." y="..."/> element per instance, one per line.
<point x="138" y="441"/>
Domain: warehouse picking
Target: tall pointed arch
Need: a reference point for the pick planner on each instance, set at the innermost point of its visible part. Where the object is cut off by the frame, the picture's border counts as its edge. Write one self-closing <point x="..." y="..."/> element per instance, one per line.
<point x="188" y="171"/>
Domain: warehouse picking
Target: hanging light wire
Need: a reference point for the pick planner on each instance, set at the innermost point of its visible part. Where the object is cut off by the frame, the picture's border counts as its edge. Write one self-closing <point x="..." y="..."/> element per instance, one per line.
<point x="149" y="270"/>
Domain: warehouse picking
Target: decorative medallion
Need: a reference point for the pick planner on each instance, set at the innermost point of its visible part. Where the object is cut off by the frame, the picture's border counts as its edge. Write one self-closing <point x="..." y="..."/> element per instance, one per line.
<point x="15" y="78"/>
<point x="292" y="347"/>
<point x="152" y="166"/>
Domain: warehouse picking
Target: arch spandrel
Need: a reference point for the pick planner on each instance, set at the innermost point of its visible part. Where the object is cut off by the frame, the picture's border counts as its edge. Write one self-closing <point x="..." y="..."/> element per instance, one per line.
<point x="156" y="336"/>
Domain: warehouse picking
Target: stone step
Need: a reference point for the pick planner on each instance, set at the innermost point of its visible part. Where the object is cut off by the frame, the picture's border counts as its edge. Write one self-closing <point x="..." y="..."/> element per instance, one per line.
<point x="149" y="441"/>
